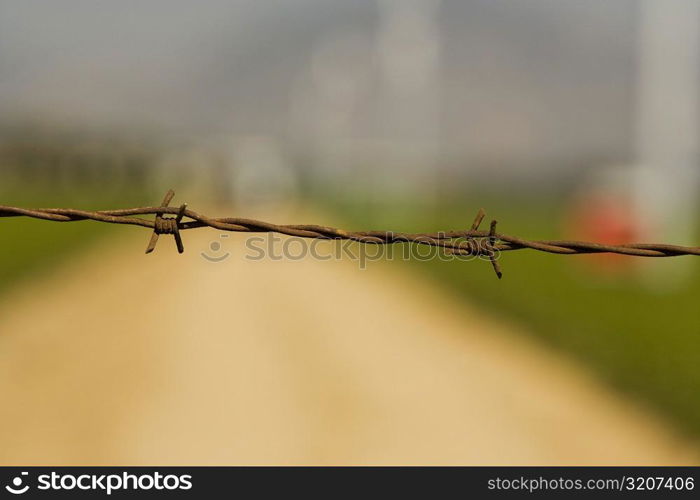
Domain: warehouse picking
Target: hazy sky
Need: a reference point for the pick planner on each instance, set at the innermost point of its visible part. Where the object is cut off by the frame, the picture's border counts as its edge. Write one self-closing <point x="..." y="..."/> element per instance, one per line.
<point x="145" y="60"/>
<point x="519" y="75"/>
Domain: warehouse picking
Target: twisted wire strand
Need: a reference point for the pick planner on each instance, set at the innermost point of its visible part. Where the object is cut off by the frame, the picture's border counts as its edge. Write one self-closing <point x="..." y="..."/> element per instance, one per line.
<point x="461" y="242"/>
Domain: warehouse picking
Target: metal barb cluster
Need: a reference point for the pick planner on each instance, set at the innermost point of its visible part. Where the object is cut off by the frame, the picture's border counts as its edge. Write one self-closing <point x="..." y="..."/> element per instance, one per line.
<point x="167" y="225"/>
<point x="488" y="245"/>
<point x="461" y="242"/>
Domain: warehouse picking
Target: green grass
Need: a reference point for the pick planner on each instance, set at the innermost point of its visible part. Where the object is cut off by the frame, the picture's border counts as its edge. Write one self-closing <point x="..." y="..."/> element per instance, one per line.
<point x="31" y="246"/>
<point x="644" y="342"/>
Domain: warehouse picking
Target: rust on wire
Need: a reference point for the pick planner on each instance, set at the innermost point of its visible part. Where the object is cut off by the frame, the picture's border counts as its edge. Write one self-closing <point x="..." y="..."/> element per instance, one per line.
<point x="488" y="244"/>
<point x="167" y="225"/>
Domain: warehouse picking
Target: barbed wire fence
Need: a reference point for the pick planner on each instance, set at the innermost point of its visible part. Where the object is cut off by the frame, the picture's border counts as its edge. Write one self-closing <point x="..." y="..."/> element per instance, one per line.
<point x="471" y="242"/>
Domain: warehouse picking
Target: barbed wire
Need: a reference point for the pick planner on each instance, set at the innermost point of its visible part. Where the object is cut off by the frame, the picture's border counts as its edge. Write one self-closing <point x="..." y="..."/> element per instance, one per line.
<point x="471" y="242"/>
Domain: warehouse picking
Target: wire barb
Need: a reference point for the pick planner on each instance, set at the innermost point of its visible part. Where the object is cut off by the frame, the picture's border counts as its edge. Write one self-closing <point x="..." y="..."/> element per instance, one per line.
<point x="479" y="242"/>
<point x="493" y="256"/>
<point x="167" y="225"/>
<point x="485" y="246"/>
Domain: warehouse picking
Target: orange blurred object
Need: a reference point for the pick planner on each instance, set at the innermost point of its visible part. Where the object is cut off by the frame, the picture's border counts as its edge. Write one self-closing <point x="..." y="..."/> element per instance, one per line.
<point x="607" y="219"/>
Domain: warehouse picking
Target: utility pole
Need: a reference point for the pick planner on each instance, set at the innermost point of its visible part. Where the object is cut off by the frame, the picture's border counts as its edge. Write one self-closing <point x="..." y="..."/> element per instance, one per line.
<point x="668" y="128"/>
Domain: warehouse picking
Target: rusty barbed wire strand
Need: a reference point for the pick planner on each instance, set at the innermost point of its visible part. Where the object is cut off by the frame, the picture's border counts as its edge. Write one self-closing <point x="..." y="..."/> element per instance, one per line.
<point x="472" y="242"/>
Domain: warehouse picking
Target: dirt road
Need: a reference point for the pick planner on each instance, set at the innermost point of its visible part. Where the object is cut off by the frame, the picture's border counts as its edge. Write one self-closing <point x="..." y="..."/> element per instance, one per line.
<point x="125" y="358"/>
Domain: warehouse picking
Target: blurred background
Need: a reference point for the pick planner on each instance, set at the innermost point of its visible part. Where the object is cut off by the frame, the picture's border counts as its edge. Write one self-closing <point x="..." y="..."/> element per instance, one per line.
<point x="561" y="118"/>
